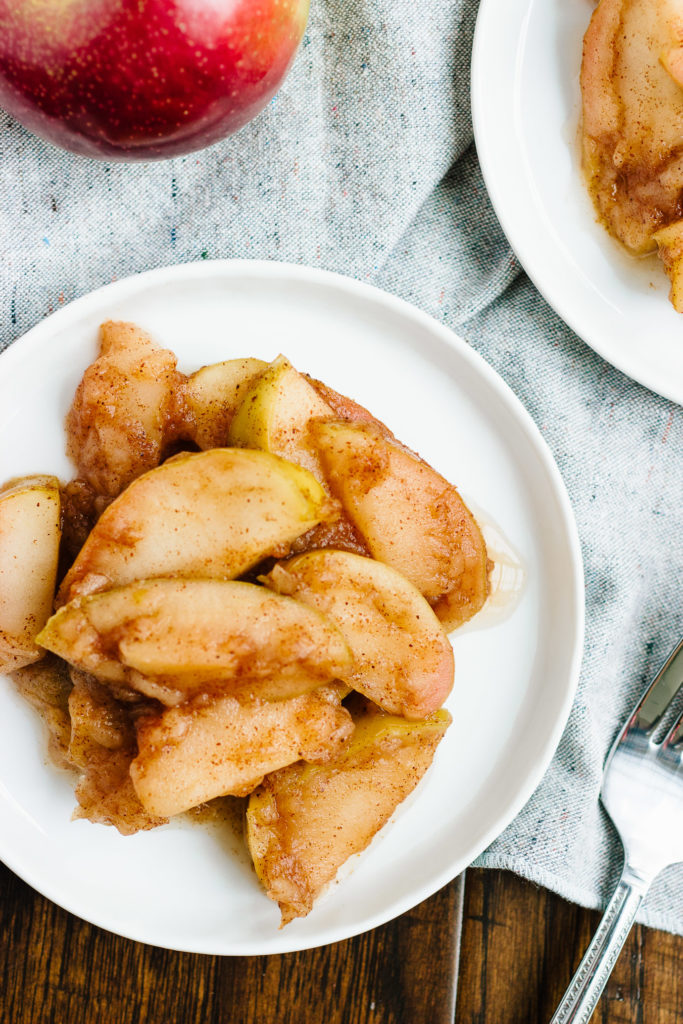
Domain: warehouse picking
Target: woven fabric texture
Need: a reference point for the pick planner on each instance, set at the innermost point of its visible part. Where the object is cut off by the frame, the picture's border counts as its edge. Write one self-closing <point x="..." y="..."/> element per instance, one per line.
<point x="364" y="163"/>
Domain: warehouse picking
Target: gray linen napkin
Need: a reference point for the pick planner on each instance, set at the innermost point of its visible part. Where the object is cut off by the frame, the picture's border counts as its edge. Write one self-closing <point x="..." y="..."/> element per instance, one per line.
<point x="365" y="164"/>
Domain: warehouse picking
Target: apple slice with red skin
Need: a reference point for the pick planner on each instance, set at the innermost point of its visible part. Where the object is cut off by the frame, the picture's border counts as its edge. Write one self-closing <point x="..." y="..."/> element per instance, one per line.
<point x="306" y="820"/>
<point x="402" y="659"/>
<point x="408" y="515"/>
<point x="169" y="638"/>
<point x="204" y="749"/>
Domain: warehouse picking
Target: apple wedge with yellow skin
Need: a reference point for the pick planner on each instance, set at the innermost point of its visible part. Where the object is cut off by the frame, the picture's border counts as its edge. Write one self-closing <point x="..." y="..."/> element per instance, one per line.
<point x="408" y="515"/>
<point x="213" y="395"/>
<point x="306" y="820"/>
<point x="168" y="638"/>
<point x="275" y="414"/>
<point x="204" y="749"/>
<point x="402" y="659"/>
<point x="205" y="514"/>
<point x="29" y="551"/>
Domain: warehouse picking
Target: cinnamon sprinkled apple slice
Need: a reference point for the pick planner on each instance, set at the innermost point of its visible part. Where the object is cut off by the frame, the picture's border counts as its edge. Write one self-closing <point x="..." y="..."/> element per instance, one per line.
<point x="409" y="516"/>
<point x="169" y="638"/>
<point x="402" y="659"/>
<point x="29" y="549"/>
<point x="306" y="820"/>
<point x="207" y="514"/>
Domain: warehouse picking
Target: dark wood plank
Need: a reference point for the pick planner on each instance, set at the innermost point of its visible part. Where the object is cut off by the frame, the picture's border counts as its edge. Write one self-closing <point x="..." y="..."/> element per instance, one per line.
<point x="57" y="969"/>
<point x="521" y="946"/>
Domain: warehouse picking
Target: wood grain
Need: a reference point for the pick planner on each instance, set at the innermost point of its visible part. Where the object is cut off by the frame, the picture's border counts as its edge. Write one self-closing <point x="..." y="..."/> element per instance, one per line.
<point x="521" y="946"/>
<point x="58" y="969"/>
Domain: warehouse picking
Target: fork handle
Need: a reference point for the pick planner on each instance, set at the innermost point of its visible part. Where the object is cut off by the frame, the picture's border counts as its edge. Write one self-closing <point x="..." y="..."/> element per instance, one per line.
<point x="586" y="986"/>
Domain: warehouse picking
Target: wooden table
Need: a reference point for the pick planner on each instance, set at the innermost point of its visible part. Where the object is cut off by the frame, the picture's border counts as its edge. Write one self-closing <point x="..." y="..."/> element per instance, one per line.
<point x="519" y="947"/>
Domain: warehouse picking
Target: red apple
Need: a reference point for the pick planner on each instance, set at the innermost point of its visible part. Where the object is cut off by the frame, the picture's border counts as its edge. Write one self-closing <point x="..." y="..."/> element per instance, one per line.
<point x="143" y="79"/>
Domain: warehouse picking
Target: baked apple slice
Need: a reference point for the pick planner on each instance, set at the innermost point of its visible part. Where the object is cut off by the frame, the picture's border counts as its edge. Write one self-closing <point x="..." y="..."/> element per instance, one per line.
<point x="204" y="749"/>
<point x="402" y="659"/>
<point x="167" y="638"/>
<point x="408" y="515"/>
<point x="670" y="245"/>
<point x="46" y="686"/>
<point x="29" y="550"/>
<point x="212" y="396"/>
<point x="275" y="414"/>
<point x="123" y="410"/>
<point x="306" y="820"/>
<point x="102" y="746"/>
<point x="205" y="514"/>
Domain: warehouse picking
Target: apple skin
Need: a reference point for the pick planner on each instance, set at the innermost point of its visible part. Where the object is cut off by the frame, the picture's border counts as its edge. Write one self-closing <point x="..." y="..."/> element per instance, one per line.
<point x="143" y="79"/>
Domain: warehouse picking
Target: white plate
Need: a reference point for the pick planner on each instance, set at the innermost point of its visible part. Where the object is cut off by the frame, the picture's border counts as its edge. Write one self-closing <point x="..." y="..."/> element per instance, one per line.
<point x="184" y="886"/>
<point x="526" y="108"/>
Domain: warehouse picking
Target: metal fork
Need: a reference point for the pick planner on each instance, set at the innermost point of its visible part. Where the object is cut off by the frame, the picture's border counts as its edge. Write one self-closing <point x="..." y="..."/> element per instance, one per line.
<point x="642" y="790"/>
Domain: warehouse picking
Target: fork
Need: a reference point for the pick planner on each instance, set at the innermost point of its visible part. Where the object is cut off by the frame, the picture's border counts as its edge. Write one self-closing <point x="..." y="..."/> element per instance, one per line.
<point x="642" y="791"/>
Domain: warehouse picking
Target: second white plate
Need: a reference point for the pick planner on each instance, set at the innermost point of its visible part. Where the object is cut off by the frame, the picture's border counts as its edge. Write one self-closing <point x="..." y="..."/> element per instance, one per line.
<point x="189" y="888"/>
<point x="526" y="106"/>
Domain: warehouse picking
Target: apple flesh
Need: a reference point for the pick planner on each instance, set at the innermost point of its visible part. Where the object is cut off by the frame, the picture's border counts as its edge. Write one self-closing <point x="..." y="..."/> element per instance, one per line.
<point x="29" y="551"/>
<point x="212" y="396"/>
<point x="193" y="753"/>
<point x="96" y="718"/>
<point x="46" y="686"/>
<point x="670" y="245"/>
<point x="408" y="515"/>
<point x="306" y="820"/>
<point x="102" y="746"/>
<point x="106" y="795"/>
<point x="168" y="638"/>
<point x="118" y="422"/>
<point x="142" y="81"/>
<point x="275" y="415"/>
<point x="206" y="514"/>
<point x="402" y="659"/>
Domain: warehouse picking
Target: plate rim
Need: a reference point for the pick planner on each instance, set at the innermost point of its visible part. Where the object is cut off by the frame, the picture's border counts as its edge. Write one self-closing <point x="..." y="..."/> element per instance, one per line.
<point x="482" y="98"/>
<point x="22" y="348"/>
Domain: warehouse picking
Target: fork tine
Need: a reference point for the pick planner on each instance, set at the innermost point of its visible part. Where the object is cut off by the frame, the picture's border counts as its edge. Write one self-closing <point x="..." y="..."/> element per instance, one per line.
<point x="642" y="791"/>
<point x="659" y="694"/>
<point x="674" y="737"/>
